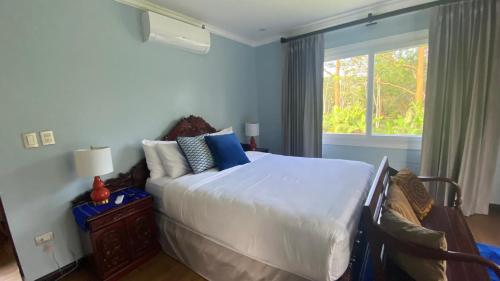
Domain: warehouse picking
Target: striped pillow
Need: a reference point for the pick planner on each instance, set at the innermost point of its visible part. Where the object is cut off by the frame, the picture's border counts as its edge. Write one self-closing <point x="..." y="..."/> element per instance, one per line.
<point x="197" y="153"/>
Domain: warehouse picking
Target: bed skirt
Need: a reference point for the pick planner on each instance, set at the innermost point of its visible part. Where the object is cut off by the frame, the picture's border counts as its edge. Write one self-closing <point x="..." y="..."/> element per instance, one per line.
<point x="211" y="260"/>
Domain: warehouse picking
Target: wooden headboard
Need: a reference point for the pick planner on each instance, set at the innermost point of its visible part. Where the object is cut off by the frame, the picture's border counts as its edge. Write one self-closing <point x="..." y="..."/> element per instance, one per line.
<point x="187" y="127"/>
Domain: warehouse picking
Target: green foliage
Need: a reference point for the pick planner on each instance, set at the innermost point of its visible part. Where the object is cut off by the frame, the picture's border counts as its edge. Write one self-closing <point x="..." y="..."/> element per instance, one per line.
<point x="351" y="120"/>
<point x="347" y="120"/>
<point x="397" y="98"/>
<point x="411" y="123"/>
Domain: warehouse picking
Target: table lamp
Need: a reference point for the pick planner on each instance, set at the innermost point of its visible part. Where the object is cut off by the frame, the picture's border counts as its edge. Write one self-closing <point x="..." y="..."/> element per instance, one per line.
<point x="252" y="130"/>
<point x="95" y="162"/>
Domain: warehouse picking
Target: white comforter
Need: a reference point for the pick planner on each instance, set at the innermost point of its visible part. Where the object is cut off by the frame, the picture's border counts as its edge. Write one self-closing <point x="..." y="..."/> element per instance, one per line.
<point x="297" y="214"/>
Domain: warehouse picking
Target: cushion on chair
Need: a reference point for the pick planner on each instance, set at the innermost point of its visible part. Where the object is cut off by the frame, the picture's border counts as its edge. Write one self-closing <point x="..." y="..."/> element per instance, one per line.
<point x="418" y="268"/>
<point x="415" y="191"/>
<point x="396" y="201"/>
<point x="459" y="238"/>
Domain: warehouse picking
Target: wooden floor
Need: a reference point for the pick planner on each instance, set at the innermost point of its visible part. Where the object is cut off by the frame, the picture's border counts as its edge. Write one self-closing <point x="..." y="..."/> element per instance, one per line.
<point x="8" y="265"/>
<point x="486" y="229"/>
<point x="159" y="268"/>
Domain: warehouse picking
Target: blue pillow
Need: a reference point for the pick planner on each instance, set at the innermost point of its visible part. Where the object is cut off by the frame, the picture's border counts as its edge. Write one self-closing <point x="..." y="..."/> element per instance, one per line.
<point x="226" y="151"/>
<point x="197" y="153"/>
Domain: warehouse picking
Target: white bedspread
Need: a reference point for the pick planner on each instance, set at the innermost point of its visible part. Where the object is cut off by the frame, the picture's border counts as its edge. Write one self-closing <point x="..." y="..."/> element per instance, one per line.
<point x="297" y="214"/>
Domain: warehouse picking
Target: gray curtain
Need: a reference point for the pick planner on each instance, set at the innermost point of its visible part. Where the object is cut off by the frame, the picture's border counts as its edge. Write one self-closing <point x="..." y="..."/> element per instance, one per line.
<point x="302" y="97"/>
<point x="462" y="107"/>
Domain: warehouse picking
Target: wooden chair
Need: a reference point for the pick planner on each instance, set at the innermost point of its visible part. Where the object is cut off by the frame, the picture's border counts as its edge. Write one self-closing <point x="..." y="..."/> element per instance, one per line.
<point x="462" y="256"/>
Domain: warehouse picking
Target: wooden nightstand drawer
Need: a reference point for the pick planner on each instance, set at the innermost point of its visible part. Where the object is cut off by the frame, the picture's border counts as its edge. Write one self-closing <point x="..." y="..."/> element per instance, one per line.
<point x="111" y="217"/>
<point x="141" y="228"/>
<point x="118" y="237"/>
<point x="111" y="244"/>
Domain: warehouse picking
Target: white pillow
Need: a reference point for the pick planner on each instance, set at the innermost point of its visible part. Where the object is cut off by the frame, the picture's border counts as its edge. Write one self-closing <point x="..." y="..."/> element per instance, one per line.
<point x="152" y="159"/>
<point x="173" y="161"/>
<point x="225" y="131"/>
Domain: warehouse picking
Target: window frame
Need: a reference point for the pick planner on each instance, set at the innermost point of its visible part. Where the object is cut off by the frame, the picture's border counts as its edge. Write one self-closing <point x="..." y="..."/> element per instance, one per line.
<point x="370" y="48"/>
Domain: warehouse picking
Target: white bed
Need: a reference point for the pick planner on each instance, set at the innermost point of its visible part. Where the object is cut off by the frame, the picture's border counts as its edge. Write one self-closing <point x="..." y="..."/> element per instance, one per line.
<point x="295" y="214"/>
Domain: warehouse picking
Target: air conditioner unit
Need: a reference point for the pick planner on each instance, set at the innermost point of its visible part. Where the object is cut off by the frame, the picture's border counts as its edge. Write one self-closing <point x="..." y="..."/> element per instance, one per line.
<point x="174" y="32"/>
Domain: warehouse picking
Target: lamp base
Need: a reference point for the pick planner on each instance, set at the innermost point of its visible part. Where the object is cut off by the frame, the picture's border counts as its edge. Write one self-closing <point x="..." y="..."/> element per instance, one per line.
<point x="100" y="194"/>
<point x="253" y="144"/>
<point x="104" y="202"/>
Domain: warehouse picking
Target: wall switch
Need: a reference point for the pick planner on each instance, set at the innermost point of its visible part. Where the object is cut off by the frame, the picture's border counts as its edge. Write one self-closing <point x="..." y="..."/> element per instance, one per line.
<point x="30" y="140"/>
<point x="47" y="137"/>
<point x="44" y="238"/>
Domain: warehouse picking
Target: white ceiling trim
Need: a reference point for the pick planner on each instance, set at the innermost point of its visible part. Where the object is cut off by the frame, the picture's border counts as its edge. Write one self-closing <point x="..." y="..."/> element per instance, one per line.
<point x="355" y="14"/>
<point x="230" y="35"/>
<point x="149" y="6"/>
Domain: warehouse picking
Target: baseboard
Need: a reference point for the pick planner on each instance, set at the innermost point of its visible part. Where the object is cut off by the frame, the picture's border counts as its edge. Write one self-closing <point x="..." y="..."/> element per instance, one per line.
<point x="58" y="273"/>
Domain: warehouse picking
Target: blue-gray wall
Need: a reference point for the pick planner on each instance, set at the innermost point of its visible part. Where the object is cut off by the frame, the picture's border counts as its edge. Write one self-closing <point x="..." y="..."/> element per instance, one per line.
<point x="79" y="67"/>
<point x="269" y="68"/>
<point x="268" y="63"/>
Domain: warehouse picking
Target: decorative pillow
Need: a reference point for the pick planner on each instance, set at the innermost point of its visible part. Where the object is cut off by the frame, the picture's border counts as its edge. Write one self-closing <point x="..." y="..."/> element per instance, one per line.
<point x="197" y="153"/>
<point x="396" y="201"/>
<point x="226" y="151"/>
<point x="418" y="268"/>
<point x="415" y="191"/>
<point x="173" y="162"/>
<point x="223" y="132"/>
<point x="152" y="159"/>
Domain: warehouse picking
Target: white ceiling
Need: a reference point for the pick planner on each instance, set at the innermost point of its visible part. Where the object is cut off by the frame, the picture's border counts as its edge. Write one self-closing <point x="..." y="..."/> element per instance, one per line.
<point x="244" y="20"/>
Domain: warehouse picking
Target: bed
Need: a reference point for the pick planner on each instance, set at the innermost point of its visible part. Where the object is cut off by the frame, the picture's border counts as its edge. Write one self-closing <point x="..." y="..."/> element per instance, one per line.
<point x="275" y="218"/>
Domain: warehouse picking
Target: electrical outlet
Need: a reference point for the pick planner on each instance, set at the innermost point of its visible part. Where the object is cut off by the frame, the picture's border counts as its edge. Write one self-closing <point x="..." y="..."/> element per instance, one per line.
<point x="44" y="238"/>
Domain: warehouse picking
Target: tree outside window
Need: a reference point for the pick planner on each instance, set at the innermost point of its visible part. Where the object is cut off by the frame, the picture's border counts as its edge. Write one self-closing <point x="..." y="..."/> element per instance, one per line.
<point x="399" y="78"/>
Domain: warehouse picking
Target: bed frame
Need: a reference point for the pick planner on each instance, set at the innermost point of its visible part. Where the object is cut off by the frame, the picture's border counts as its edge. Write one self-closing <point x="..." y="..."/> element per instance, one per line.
<point x="194" y="126"/>
<point x="187" y="127"/>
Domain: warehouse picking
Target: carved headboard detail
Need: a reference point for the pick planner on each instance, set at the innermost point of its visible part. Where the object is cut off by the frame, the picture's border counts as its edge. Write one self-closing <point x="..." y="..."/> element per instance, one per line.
<point x="187" y="127"/>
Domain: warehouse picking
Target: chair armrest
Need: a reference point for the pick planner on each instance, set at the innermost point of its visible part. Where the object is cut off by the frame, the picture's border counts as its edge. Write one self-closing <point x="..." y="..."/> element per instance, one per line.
<point x="420" y="251"/>
<point x="429" y="253"/>
<point x="457" y="202"/>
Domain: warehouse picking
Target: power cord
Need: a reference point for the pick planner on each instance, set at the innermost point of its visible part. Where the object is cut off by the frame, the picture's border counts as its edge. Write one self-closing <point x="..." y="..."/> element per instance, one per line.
<point x="49" y="250"/>
<point x="70" y="271"/>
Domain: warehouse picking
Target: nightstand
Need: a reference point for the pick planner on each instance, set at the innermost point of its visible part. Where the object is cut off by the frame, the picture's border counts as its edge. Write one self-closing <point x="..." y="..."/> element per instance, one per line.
<point x="117" y="238"/>
<point x="246" y="147"/>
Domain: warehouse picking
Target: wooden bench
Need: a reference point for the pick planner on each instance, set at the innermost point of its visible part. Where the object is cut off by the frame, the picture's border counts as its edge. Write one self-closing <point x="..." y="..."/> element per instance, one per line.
<point x="462" y="256"/>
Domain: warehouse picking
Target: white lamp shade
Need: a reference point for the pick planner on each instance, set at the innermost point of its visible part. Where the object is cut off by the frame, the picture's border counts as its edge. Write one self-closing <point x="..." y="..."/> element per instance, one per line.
<point x="93" y="162"/>
<point x="252" y="129"/>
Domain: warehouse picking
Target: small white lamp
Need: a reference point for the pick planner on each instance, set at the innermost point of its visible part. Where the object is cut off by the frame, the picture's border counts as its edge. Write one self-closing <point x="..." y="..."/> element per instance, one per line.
<point x="252" y="131"/>
<point x="95" y="162"/>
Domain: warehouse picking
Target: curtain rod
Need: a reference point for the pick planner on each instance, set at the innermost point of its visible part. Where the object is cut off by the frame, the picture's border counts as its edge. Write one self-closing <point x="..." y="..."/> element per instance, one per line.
<point x="371" y="18"/>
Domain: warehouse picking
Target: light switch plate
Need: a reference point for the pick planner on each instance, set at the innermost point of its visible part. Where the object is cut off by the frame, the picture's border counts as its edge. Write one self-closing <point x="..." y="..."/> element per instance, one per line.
<point x="30" y="140"/>
<point x="47" y="137"/>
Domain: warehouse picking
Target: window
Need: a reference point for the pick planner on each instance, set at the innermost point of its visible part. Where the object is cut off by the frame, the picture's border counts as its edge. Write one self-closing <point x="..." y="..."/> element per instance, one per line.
<point x="344" y="95"/>
<point x="373" y="93"/>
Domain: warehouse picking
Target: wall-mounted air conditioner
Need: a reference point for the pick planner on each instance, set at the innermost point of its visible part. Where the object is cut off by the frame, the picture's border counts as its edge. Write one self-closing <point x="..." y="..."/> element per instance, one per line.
<point x="174" y="32"/>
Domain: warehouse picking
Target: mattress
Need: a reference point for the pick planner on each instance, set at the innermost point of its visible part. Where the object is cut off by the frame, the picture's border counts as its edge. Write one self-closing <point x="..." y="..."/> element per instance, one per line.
<point x="296" y="214"/>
